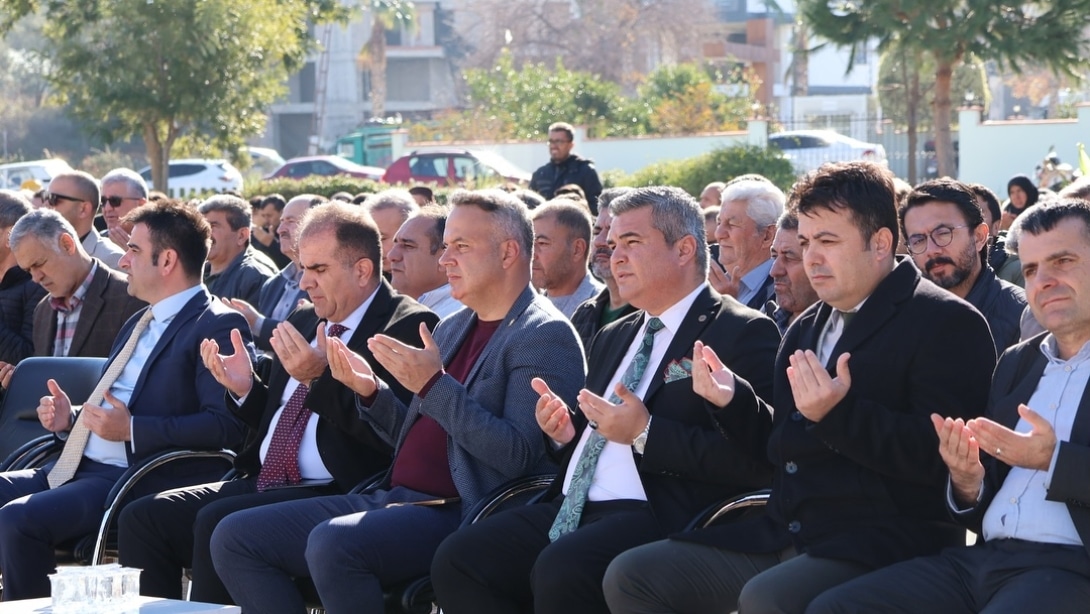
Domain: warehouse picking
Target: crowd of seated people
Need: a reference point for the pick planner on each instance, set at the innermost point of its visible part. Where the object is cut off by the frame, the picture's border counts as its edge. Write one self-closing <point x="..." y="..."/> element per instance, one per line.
<point x="849" y="348"/>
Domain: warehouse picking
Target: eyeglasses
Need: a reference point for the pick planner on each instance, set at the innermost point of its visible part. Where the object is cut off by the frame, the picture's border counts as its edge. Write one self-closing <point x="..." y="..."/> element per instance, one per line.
<point x="115" y="201"/>
<point x="53" y="197"/>
<point x="559" y="141"/>
<point x="941" y="236"/>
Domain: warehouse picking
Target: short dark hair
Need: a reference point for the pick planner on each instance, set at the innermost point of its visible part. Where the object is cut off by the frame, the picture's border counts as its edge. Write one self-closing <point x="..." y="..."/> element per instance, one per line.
<point x="13" y="205"/>
<point x="991" y="201"/>
<point x="355" y="231"/>
<point x="276" y="200"/>
<point x="608" y="195"/>
<point x="425" y="191"/>
<point x="438" y="215"/>
<point x="948" y="191"/>
<point x="789" y="220"/>
<point x="1039" y="220"/>
<point x="863" y="188"/>
<point x="177" y="226"/>
<point x="530" y="198"/>
<point x="574" y="217"/>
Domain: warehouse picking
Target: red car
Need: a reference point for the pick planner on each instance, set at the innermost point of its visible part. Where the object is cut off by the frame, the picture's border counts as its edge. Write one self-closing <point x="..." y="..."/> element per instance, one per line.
<point x="325" y="166"/>
<point x="453" y="167"/>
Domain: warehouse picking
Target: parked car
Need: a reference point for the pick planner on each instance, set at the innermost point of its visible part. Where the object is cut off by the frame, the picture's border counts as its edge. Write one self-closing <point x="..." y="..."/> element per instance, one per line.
<point x="809" y="149"/>
<point x="454" y="167"/>
<point x="325" y="166"/>
<point x="195" y="176"/>
<point x="35" y="175"/>
<point x="263" y="161"/>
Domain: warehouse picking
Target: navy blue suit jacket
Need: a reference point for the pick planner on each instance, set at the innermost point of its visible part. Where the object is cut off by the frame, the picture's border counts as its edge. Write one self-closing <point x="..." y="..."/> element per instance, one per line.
<point x="177" y="403"/>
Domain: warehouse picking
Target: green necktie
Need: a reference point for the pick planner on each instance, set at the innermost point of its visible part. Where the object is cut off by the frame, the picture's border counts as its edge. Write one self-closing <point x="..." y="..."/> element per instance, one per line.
<point x="567" y="519"/>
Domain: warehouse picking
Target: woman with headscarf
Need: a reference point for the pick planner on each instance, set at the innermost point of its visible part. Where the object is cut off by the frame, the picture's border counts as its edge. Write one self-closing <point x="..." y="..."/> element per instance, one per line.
<point x="1023" y="195"/>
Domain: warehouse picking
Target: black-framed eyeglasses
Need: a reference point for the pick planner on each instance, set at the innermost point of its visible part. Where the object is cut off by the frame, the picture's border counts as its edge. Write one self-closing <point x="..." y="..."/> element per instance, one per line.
<point x="115" y="201"/>
<point x="53" y="197"/>
<point x="559" y="141"/>
<point x="941" y="236"/>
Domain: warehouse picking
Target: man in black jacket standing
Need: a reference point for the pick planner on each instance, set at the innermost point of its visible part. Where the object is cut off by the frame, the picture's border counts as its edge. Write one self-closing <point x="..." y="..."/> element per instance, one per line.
<point x="564" y="167"/>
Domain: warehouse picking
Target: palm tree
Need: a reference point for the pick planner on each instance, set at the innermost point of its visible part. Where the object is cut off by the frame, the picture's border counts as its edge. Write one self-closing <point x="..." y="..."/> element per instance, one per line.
<point x="386" y="15"/>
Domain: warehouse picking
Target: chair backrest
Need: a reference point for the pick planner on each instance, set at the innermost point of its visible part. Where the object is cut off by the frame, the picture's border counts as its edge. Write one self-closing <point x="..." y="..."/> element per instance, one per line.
<point x="18" y="410"/>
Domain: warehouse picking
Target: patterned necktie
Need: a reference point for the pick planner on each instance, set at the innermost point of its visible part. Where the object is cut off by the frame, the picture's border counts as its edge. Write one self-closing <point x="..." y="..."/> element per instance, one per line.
<point x="281" y="464"/>
<point x="567" y="519"/>
<point x="70" y="457"/>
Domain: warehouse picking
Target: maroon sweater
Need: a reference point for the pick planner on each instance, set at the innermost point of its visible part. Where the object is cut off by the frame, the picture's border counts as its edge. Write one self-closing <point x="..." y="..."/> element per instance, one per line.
<point x="421" y="463"/>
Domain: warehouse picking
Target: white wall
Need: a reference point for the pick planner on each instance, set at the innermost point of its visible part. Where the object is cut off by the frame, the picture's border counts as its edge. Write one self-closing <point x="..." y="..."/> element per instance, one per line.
<point x="994" y="151"/>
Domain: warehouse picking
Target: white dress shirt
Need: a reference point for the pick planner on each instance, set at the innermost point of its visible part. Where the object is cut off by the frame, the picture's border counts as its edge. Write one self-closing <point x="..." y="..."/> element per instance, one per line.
<point x="163" y="312"/>
<point x="615" y="475"/>
<point x="311" y="466"/>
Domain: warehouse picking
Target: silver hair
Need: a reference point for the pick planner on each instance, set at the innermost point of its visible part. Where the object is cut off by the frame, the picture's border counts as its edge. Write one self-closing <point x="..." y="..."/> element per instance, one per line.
<point x="44" y="224"/>
<point x="13" y="205"/>
<point x="764" y="201"/>
<point x="512" y="217"/>
<point x="401" y="200"/>
<point x="134" y="183"/>
<point x="674" y="213"/>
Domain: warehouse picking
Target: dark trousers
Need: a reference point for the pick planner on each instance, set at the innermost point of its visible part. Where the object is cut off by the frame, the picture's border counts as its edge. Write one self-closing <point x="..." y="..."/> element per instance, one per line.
<point x="506" y="563"/>
<point x="164" y="533"/>
<point x="995" y="577"/>
<point x="351" y="545"/>
<point x="34" y="519"/>
<point x="678" y="577"/>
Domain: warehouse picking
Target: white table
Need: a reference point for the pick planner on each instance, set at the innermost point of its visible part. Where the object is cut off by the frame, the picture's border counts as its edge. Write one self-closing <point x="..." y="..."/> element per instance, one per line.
<point x="149" y="605"/>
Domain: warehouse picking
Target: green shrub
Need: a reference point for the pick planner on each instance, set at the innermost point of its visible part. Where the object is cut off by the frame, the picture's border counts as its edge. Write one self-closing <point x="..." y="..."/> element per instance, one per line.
<point x="323" y="186"/>
<point x="723" y="164"/>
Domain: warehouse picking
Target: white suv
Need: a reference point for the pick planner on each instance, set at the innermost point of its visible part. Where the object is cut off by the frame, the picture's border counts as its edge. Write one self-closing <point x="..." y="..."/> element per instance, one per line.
<point x="193" y="177"/>
<point x="34" y="175"/>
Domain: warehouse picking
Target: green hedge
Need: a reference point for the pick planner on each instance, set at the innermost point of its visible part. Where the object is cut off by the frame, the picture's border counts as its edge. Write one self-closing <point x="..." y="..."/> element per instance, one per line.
<point x="723" y="164"/>
<point x="690" y="174"/>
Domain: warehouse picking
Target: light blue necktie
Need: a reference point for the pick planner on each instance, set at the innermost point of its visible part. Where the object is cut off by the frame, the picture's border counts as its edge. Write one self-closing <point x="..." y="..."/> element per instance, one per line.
<point x="567" y="519"/>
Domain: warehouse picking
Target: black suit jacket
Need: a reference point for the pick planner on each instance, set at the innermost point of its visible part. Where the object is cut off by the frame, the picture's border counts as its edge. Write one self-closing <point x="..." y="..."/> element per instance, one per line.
<point x="866" y="483"/>
<point x="106" y="307"/>
<point x="348" y="445"/>
<point x="690" y="460"/>
<point x="765" y="293"/>
<point x="1016" y="379"/>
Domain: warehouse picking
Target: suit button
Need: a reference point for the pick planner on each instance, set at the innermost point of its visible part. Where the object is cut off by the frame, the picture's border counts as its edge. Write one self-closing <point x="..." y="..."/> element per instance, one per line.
<point x="794" y="526"/>
<point x="796" y="416"/>
<point x="791" y="467"/>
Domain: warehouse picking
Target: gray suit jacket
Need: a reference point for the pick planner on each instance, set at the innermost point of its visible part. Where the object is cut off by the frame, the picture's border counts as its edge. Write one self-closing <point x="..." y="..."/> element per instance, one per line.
<point x="106" y="307"/>
<point x="492" y="434"/>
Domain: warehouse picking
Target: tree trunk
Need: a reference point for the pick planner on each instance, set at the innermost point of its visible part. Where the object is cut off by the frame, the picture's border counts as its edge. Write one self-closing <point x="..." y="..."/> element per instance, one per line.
<point x="911" y="81"/>
<point x="800" y="65"/>
<point x="944" y="145"/>
<point x="378" y="67"/>
<point x="159" y="163"/>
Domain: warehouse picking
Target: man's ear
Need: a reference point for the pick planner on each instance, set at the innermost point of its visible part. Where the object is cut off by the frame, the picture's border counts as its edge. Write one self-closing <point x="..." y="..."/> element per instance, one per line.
<point x="365" y="268"/>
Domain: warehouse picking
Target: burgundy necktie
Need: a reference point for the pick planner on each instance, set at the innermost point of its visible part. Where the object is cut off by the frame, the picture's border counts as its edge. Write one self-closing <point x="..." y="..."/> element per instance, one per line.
<point x="281" y="464"/>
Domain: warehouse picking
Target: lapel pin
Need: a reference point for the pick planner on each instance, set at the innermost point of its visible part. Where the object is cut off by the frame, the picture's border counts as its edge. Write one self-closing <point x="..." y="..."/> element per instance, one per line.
<point x="702" y="318"/>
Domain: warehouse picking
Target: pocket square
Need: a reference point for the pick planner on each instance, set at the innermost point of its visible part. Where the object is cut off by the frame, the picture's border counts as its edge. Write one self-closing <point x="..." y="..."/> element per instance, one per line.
<point x="678" y="369"/>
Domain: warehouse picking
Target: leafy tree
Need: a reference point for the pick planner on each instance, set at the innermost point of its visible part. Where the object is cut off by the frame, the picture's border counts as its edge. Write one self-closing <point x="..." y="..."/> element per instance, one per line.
<point x="161" y="69"/>
<point x="1051" y="32"/>
<point x="906" y="80"/>
<point x="386" y="15"/>
<point x="684" y="100"/>
<point x="521" y="102"/>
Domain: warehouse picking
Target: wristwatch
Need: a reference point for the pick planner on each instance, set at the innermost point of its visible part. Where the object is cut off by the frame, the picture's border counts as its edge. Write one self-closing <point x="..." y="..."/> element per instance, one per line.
<point x="640" y="442"/>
